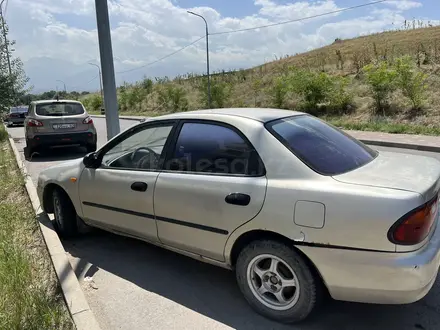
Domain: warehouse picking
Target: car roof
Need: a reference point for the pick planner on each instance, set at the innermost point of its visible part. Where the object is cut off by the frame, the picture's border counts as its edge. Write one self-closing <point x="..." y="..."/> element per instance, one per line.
<point x="259" y="114"/>
<point x="55" y="101"/>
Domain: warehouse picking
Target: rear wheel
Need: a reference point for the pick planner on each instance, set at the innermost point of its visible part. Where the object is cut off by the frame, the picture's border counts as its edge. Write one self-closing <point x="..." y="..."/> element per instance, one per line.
<point x="28" y="151"/>
<point x="277" y="282"/>
<point x="65" y="214"/>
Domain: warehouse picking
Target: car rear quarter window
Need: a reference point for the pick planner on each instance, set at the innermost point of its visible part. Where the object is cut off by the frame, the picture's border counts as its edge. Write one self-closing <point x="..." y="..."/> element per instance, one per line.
<point x="324" y="148"/>
<point x="215" y="148"/>
<point x="59" y="109"/>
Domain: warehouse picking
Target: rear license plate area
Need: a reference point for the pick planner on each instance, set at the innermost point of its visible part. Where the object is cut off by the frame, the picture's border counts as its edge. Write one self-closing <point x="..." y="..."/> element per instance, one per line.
<point x="63" y="126"/>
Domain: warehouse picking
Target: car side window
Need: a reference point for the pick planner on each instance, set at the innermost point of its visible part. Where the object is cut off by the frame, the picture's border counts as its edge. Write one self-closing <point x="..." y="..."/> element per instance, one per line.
<point x="212" y="148"/>
<point x="141" y="150"/>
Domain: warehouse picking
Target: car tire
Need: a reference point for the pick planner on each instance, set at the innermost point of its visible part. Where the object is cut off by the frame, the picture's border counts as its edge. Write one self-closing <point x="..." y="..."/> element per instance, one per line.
<point x="91" y="147"/>
<point x="287" y="292"/>
<point x="28" y="151"/>
<point x="65" y="214"/>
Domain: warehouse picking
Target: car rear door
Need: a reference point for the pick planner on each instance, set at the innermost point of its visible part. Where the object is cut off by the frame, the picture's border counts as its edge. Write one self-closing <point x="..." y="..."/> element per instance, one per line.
<point x="213" y="182"/>
<point x="118" y="195"/>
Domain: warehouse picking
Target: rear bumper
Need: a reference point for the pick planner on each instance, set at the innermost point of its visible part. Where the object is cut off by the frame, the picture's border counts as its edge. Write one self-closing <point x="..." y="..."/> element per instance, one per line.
<point x="15" y="121"/>
<point x="65" y="139"/>
<point x="378" y="277"/>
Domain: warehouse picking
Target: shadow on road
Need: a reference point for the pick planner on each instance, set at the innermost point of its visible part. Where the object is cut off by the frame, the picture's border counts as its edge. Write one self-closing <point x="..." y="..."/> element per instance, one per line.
<point x="212" y="291"/>
<point x="57" y="154"/>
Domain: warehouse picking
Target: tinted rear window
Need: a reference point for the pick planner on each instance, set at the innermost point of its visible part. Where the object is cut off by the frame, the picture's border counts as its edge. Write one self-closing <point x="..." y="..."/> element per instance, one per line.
<point x="59" y="109"/>
<point x="324" y="148"/>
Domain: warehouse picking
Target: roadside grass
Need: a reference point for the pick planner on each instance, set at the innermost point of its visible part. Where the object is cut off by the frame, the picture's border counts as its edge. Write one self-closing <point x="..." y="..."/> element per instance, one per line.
<point x="378" y="125"/>
<point x="385" y="127"/>
<point x="30" y="297"/>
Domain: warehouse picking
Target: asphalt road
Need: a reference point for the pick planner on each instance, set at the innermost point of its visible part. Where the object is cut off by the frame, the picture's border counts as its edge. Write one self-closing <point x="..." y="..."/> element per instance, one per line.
<point x="133" y="285"/>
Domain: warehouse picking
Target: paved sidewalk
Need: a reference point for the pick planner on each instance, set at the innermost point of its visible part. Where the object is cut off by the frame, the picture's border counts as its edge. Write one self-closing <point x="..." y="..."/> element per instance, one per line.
<point x="406" y="141"/>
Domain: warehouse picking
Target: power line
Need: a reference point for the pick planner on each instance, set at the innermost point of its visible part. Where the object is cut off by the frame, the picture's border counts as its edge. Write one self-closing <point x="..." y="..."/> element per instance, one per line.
<point x="299" y="19"/>
<point x="162" y="58"/>
<point x="72" y="87"/>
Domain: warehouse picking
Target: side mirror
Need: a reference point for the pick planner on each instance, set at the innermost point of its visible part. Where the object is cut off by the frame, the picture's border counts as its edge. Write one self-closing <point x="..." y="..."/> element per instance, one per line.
<point x="91" y="160"/>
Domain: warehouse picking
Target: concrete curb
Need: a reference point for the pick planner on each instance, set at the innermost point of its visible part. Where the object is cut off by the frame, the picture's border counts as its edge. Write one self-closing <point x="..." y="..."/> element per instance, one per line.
<point x="401" y="145"/>
<point x="381" y="143"/>
<point x="76" y="302"/>
<point x="135" y="118"/>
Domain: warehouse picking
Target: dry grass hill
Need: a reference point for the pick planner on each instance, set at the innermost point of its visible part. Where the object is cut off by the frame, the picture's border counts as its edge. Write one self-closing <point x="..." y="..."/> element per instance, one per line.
<point x="342" y="82"/>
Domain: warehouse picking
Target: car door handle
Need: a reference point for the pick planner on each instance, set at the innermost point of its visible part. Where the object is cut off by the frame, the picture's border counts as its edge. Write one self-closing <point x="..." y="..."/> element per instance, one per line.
<point x="139" y="186"/>
<point x="238" y="199"/>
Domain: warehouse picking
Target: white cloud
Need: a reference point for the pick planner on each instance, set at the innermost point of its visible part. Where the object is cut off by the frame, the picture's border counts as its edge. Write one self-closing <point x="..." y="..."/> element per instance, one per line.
<point x="404" y="4"/>
<point x="143" y="31"/>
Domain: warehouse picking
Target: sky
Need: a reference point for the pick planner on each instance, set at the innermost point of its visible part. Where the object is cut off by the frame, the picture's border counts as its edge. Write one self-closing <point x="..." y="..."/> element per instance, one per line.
<point x="57" y="39"/>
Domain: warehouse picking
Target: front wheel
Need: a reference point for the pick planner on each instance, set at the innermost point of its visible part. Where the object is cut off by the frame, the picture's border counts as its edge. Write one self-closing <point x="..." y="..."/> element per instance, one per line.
<point x="65" y="214"/>
<point x="277" y="282"/>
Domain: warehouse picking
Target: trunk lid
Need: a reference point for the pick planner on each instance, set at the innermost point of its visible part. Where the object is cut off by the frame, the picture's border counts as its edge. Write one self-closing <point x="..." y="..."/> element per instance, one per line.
<point x="418" y="174"/>
<point x="62" y="124"/>
<point x="61" y="117"/>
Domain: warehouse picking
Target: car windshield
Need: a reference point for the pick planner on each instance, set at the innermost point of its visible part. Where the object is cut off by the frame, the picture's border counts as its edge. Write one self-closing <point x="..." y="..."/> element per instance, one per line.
<point x="59" y="109"/>
<point x="324" y="148"/>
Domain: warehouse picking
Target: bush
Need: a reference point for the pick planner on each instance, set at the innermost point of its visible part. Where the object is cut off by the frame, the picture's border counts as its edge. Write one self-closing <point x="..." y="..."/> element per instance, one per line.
<point x="93" y="102"/>
<point x="381" y="79"/>
<point x="147" y="85"/>
<point x="172" y="98"/>
<point x="313" y="87"/>
<point x="219" y="93"/>
<point x="411" y="81"/>
<point x="278" y="92"/>
<point x="3" y="134"/>
<point x="339" y="100"/>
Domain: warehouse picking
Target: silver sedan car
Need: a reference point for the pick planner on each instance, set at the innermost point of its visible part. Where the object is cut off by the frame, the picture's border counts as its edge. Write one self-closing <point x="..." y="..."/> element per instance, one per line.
<point x="295" y="206"/>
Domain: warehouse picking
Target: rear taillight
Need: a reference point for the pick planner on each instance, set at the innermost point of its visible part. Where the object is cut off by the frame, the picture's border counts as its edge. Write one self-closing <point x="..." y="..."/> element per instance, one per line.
<point x="415" y="226"/>
<point x="34" y="123"/>
<point x="88" y="120"/>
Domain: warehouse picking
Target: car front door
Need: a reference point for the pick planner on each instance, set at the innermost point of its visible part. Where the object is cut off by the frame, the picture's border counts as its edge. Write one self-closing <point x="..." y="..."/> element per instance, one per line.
<point x="212" y="182"/>
<point x="118" y="195"/>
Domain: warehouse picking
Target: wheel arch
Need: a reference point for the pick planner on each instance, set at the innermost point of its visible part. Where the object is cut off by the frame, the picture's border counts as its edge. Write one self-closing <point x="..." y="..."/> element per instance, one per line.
<point x="47" y="196"/>
<point x="246" y="238"/>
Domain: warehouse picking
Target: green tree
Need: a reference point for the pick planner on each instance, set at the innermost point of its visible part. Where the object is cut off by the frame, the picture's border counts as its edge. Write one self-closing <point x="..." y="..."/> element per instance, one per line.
<point x="13" y="83"/>
<point x="382" y="80"/>
<point x="411" y="81"/>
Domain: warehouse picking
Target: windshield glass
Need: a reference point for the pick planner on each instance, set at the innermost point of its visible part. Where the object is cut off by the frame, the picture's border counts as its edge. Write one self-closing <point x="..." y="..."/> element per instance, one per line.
<point x="322" y="147"/>
<point x="59" y="109"/>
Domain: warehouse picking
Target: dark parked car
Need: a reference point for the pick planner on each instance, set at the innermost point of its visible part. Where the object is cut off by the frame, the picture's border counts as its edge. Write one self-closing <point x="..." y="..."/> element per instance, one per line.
<point x="16" y="116"/>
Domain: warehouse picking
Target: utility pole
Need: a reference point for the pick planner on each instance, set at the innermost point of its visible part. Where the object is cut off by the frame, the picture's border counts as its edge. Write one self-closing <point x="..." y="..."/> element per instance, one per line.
<point x="107" y="68"/>
<point x="5" y="37"/>
<point x="207" y="56"/>
<point x="100" y="83"/>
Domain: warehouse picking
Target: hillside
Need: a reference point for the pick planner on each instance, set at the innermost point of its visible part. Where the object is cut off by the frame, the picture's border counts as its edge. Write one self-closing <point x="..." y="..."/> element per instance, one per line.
<point x="330" y="82"/>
